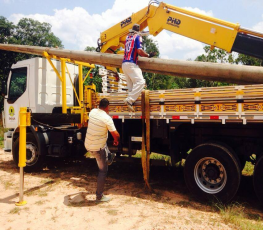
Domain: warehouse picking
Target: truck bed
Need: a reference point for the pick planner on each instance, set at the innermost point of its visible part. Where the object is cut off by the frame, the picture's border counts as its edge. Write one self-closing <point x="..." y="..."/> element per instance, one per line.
<point x="231" y="103"/>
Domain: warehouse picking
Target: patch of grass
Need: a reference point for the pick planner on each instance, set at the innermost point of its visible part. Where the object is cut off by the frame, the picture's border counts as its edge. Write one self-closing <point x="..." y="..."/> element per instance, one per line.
<point x="1" y="142"/>
<point x="113" y="221"/>
<point x="15" y="210"/>
<point x="88" y="155"/>
<point x="157" y="195"/>
<point x="155" y="156"/>
<point x="42" y="193"/>
<point x="184" y="203"/>
<point x="8" y="184"/>
<point x="248" y="169"/>
<point x="40" y="202"/>
<point x="180" y="164"/>
<point x="47" y="181"/>
<point x="236" y="216"/>
<point x="2" y="131"/>
<point x="128" y="201"/>
<point x="112" y="212"/>
<point x="54" y="217"/>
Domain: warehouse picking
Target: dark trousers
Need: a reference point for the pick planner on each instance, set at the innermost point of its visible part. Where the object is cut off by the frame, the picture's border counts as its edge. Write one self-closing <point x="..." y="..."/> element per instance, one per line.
<point x="101" y="159"/>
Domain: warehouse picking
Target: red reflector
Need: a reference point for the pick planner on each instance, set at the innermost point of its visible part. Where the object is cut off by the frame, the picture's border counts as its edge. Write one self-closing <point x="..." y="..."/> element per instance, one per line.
<point x="143" y="117"/>
<point x="214" y="117"/>
<point x="176" y="117"/>
<point x="115" y="117"/>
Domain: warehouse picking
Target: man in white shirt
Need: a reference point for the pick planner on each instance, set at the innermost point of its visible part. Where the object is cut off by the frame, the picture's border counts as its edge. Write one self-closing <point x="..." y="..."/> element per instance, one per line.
<point x="96" y="142"/>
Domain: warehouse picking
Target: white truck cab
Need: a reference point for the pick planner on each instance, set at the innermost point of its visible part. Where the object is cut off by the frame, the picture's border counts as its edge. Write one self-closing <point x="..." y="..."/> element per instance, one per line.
<point x="34" y="84"/>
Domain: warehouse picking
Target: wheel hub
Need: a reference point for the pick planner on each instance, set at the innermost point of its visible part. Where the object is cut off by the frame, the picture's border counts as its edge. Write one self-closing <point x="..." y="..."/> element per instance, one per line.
<point x="210" y="175"/>
<point x="31" y="153"/>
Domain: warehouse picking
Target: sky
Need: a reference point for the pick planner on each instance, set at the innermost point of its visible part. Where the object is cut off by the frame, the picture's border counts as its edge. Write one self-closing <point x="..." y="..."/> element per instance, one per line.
<point x="78" y="23"/>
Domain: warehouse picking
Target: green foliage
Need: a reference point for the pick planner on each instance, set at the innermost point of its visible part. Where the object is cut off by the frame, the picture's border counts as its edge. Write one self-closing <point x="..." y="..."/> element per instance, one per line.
<point x="216" y="56"/>
<point x="158" y="81"/>
<point x="96" y="79"/>
<point x="35" y="33"/>
<point x="90" y="48"/>
<point x="26" y="32"/>
<point x="237" y="216"/>
<point x="7" y="30"/>
<point x="149" y="45"/>
<point x="247" y="60"/>
<point x="221" y="56"/>
<point x="155" y="81"/>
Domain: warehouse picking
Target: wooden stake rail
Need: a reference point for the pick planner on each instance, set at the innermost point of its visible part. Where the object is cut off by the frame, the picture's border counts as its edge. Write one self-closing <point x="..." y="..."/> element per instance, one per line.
<point x="216" y="103"/>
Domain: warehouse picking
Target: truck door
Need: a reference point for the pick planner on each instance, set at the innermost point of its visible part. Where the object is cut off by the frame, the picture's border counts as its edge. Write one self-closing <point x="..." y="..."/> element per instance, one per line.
<point x="17" y="95"/>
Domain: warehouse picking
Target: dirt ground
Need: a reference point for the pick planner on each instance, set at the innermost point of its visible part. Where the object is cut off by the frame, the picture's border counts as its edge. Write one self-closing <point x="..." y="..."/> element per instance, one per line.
<point x="62" y="197"/>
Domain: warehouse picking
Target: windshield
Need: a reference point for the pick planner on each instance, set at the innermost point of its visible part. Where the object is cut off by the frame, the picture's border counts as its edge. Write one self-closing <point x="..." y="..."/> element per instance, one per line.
<point x="17" y="83"/>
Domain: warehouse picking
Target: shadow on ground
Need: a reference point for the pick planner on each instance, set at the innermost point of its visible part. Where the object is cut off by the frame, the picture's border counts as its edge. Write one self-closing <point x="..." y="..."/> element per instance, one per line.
<point x="164" y="180"/>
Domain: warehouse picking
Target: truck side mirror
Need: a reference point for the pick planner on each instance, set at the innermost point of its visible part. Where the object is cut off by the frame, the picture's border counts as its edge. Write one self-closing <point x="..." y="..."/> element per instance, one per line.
<point x="3" y="88"/>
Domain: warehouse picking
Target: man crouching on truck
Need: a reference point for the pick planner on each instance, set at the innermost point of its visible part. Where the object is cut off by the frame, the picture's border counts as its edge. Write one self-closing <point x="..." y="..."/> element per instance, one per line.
<point x="96" y="143"/>
<point x="133" y="73"/>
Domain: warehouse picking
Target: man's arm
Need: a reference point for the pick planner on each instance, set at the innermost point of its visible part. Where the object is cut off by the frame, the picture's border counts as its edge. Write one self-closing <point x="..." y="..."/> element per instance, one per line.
<point x="142" y="53"/>
<point x="116" y="137"/>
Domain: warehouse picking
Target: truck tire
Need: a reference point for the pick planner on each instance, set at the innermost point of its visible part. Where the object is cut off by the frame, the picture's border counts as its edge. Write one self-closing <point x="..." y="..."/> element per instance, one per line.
<point x="258" y="179"/>
<point x="212" y="172"/>
<point x="34" y="161"/>
<point x="240" y="161"/>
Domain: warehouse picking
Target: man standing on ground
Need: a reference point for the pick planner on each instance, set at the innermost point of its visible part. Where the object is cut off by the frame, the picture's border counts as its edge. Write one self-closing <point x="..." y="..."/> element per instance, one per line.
<point x="133" y="73"/>
<point x="96" y="143"/>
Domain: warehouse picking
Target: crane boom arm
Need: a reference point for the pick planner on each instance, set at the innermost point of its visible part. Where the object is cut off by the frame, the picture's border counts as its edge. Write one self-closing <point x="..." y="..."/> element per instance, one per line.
<point x="212" y="31"/>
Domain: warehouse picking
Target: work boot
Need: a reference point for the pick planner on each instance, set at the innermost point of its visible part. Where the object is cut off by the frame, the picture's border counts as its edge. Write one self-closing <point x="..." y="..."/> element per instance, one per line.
<point x="111" y="157"/>
<point x="130" y="107"/>
<point x="102" y="199"/>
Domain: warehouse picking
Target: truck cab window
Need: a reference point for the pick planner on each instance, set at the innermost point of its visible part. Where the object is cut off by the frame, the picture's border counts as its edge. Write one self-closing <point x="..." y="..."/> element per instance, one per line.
<point x="17" y="84"/>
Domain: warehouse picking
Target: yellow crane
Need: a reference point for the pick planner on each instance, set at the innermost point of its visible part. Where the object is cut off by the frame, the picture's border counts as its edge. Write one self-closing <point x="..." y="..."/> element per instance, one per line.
<point x="211" y="31"/>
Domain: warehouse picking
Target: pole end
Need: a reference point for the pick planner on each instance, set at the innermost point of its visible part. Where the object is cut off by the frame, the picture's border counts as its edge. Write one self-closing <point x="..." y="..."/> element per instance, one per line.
<point x="21" y="203"/>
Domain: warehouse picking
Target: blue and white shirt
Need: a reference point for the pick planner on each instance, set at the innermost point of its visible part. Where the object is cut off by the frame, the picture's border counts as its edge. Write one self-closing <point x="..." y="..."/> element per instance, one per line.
<point x="132" y="44"/>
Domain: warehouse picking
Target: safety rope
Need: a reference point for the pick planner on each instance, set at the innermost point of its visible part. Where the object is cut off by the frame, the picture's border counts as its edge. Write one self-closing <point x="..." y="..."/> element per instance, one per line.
<point x="145" y="103"/>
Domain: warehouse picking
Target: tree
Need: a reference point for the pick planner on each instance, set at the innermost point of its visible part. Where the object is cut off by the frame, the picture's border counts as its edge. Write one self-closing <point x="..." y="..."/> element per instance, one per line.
<point x="94" y="76"/>
<point x="26" y="32"/>
<point x="247" y="60"/>
<point x="6" y="58"/>
<point x="211" y="55"/>
<point x="155" y="81"/>
<point x="34" y="33"/>
<point x="90" y="48"/>
<point x="215" y="55"/>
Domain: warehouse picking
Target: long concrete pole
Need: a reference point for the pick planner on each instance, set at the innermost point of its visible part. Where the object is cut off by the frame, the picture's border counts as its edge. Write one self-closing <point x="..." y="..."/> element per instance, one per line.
<point x="198" y="70"/>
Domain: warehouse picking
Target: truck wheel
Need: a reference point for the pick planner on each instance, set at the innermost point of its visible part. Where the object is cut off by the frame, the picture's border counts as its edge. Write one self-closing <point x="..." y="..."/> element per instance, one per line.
<point x="34" y="161"/>
<point x="258" y="179"/>
<point x="212" y="172"/>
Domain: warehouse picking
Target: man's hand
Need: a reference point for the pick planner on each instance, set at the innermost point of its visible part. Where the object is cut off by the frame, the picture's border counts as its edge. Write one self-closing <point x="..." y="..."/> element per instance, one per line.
<point x="116" y="142"/>
<point x="117" y="78"/>
<point x="116" y="137"/>
<point x="152" y="54"/>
